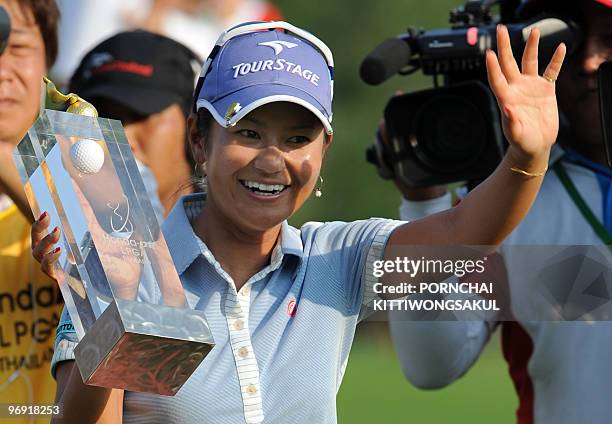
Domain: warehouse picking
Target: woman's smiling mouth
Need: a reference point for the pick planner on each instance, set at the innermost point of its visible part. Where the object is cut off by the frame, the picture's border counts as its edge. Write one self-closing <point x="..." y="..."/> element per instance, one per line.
<point x="262" y="189"/>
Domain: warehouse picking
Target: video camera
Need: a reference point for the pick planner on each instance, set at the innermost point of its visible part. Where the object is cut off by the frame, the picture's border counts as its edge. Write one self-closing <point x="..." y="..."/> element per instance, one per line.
<point x="5" y="29"/>
<point x="451" y="132"/>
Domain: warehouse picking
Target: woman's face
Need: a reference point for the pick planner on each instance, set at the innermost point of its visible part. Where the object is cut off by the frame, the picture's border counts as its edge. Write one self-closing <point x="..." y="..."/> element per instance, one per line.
<point x="264" y="168"/>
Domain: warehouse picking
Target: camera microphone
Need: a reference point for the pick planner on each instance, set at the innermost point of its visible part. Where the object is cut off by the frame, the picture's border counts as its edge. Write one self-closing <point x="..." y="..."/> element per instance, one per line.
<point x="386" y="60"/>
<point x="460" y="50"/>
<point x="5" y="28"/>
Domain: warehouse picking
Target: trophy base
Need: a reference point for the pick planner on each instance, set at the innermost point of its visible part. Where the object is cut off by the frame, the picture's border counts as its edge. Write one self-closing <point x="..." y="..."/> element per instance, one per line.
<point x="143" y="348"/>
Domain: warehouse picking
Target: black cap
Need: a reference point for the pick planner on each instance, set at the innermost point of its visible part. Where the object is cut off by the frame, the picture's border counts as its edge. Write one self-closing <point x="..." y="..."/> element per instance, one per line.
<point x="140" y="70"/>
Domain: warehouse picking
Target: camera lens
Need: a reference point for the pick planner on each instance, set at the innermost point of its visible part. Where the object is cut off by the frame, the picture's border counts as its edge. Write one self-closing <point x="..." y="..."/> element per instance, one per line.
<point x="448" y="134"/>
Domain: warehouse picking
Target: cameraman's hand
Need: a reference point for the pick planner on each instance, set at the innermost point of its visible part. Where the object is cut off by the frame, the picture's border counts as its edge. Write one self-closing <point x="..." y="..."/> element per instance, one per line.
<point x="530" y="118"/>
<point x="411" y="192"/>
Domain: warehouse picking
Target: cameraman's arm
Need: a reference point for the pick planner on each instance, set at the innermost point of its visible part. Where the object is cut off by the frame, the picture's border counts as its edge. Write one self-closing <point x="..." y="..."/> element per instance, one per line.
<point x="411" y="209"/>
<point x="433" y="354"/>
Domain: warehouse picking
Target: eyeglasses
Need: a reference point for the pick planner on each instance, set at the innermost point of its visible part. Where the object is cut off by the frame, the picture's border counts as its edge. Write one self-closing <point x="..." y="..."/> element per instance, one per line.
<point x="256" y="26"/>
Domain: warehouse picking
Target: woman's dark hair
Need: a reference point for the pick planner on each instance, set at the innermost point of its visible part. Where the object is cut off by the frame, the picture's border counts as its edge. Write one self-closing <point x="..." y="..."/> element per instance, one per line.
<point x="203" y="121"/>
<point x="46" y="17"/>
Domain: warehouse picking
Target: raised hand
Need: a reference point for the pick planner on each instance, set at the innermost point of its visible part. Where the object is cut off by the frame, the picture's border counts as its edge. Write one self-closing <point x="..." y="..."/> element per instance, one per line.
<point x="527" y="100"/>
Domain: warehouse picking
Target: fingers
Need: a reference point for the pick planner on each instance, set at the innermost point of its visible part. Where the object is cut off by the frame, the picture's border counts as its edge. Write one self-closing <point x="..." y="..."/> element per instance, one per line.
<point x="40" y="249"/>
<point x="529" y="63"/>
<point x="554" y="67"/>
<point x="42" y="243"/>
<point x="506" y="59"/>
<point x="496" y="77"/>
<point x="49" y="260"/>
<point x="39" y="228"/>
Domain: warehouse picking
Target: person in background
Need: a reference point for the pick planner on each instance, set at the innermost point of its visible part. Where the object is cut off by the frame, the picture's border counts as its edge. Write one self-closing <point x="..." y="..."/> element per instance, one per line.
<point x="146" y="81"/>
<point x="30" y="302"/>
<point x="194" y="23"/>
<point x="561" y="370"/>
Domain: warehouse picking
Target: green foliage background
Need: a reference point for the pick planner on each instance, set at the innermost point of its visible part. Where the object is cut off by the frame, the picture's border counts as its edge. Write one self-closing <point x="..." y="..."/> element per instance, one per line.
<point x="374" y="390"/>
<point x="352" y="188"/>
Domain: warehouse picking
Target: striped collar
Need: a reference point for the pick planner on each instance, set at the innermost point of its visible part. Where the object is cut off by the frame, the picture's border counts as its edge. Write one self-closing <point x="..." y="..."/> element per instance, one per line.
<point x="185" y="246"/>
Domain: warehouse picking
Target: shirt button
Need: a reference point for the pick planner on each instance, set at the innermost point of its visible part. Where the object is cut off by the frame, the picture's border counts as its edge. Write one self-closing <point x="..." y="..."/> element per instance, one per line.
<point x="243" y="352"/>
<point x="251" y="389"/>
<point x="246" y="290"/>
<point x="238" y="325"/>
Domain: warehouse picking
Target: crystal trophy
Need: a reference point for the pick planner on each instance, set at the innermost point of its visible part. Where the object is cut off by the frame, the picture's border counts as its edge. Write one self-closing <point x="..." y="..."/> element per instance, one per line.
<point x="135" y="326"/>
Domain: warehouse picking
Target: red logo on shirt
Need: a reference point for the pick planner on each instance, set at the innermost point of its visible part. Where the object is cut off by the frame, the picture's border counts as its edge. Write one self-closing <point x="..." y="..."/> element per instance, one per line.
<point x="292" y="308"/>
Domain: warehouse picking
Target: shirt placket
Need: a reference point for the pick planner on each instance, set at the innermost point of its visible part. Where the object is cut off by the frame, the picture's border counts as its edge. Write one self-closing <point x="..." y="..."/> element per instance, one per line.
<point x="237" y="314"/>
<point x="236" y="306"/>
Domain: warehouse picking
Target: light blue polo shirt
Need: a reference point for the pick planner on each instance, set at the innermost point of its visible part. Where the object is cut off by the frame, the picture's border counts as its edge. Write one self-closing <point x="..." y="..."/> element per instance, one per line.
<point x="282" y="341"/>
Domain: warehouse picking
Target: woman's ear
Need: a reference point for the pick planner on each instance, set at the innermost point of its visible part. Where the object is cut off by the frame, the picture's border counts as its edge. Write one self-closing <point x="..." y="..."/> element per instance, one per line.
<point x="197" y="139"/>
<point x="327" y="143"/>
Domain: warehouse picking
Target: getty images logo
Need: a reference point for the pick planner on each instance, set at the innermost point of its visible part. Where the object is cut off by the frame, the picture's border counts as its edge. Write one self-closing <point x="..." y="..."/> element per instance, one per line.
<point x="279" y="64"/>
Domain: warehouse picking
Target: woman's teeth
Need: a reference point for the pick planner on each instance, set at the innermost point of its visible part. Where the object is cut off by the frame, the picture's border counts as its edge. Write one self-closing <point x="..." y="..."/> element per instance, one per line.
<point x="263" y="189"/>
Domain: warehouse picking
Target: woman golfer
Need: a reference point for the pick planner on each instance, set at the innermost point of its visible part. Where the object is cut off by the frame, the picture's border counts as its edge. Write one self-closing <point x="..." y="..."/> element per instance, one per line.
<point x="283" y="302"/>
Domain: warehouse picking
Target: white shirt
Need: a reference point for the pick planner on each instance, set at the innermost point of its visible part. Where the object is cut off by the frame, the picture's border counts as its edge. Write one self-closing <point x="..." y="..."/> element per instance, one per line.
<point x="562" y="370"/>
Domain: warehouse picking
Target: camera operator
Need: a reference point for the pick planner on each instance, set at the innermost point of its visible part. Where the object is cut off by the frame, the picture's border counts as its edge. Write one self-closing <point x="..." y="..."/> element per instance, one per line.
<point x="561" y="370"/>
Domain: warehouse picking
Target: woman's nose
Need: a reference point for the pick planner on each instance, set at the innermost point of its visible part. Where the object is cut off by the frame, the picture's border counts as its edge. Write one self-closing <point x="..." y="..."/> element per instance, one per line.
<point x="270" y="160"/>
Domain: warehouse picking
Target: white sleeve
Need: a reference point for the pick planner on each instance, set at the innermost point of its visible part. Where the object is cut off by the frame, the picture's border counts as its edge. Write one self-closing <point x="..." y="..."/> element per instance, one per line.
<point x="411" y="209"/>
<point x="433" y="354"/>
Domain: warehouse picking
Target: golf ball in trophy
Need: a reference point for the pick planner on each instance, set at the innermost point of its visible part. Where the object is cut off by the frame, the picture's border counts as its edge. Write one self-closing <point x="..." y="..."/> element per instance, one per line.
<point x="87" y="156"/>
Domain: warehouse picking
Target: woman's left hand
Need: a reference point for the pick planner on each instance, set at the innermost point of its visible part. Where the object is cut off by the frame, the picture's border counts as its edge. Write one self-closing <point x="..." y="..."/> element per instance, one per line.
<point x="530" y="118"/>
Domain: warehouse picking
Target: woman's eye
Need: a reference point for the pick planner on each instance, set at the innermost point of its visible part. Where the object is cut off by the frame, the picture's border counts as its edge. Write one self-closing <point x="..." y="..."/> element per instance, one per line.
<point x="298" y="139"/>
<point x="248" y="133"/>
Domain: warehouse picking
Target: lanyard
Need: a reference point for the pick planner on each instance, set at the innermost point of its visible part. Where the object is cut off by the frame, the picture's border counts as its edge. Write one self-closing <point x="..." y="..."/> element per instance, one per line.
<point x="582" y="206"/>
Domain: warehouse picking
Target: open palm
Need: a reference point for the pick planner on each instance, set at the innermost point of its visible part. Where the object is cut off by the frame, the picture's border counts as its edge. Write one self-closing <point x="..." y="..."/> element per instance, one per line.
<point x="528" y="103"/>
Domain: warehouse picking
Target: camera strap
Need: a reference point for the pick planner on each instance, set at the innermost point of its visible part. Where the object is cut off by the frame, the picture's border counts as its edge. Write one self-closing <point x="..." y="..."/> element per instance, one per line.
<point x="581" y="204"/>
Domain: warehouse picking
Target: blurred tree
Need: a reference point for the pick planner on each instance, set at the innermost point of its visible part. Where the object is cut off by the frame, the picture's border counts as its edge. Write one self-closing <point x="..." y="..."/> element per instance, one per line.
<point x="352" y="188"/>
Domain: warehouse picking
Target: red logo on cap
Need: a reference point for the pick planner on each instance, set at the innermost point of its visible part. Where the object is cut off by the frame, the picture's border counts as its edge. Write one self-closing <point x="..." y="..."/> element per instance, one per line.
<point x="130" y="67"/>
<point x="292" y="308"/>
